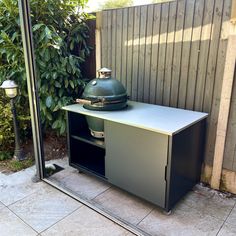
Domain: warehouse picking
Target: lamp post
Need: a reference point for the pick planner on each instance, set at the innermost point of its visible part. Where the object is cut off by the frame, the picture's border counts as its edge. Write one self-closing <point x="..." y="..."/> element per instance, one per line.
<point x="11" y="90"/>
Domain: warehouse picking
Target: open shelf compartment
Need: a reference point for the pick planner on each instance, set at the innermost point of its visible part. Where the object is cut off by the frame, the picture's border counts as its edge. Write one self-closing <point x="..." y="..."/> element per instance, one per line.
<point x="86" y="152"/>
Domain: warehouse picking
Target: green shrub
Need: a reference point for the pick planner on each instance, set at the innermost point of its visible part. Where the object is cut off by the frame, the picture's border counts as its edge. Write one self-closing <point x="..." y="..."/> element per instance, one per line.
<point x="60" y="34"/>
<point x="6" y="129"/>
<point x="5" y="155"/>
<point x="6" y="123"/>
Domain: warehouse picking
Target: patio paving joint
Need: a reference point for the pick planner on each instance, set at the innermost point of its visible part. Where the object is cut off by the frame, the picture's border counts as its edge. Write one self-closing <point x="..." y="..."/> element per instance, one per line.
<point x="226" y="220"/>
<point x="230" y="213"/>
<point x="146" y="216"/>
<point x="19" y="199"/>
<point x="61" y="219"/>
<point x="22" y="220"/>
<point x="102" y="192"/>
<point x="3" y="204"/>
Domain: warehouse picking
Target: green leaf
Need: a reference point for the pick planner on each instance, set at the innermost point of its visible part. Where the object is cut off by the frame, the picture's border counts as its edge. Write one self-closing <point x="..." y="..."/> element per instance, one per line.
<point x="71" y="60"/>
<point x="63" y="127"/>
<point x="55" y="124"/>
<point x="48" y="33"/>
<point x="56" y="108"/>
<point x="41" y="36"/>
<point x="61" y="92"/>
<point x="14" y="36"/>
<point x="37" y="26"/>
<point x="72" y="45"/>
<point x="49" y="101"/>
<point x="72" y="84"/>
<point x="66" y="83"/>
<point x="47" y="55"/>
<point x="57" y="84"/>
<point x="42" y="52"/>
<point x="68" y="67"/>
<point x="54" y="75"/>
<point x="41" y="63"/>
<point x="49" y="116"/>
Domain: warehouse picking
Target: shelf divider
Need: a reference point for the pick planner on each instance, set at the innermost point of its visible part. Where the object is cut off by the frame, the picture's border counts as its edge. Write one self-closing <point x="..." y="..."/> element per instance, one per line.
<point x="86" y="137"/>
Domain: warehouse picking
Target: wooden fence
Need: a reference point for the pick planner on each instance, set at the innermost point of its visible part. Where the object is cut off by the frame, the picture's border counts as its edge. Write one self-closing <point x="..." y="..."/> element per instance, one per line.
<point x="172" y="54"/>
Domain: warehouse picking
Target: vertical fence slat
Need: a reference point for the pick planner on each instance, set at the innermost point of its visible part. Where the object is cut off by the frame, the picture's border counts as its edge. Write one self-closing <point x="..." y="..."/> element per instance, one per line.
<point x="130" y="50"/>
<point x="124" y="48"/>
<point x="194" y="53"/>
<point x="177" y="52"/>
<point x="134" y="93"/>
<point x="148" y="52"/>
<point x="155" y="48"/>
<point x="187" y="37"/>
<point x="162" y="52"/>
<point x="113" y="43"/>
<point x="98" y="40"/>
<point x="141" y="61"/>
<point x="109" y="41"/>
<point x="204" y="52"/>
<point x="118" y="54"/>
<point x="169" y="53"/>
<point x="104" y="38"/>
<point x="211" y="67"/>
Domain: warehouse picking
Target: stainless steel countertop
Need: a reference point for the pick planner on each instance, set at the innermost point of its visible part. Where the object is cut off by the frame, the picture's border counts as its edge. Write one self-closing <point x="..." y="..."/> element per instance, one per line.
<point x="161" y="119"/>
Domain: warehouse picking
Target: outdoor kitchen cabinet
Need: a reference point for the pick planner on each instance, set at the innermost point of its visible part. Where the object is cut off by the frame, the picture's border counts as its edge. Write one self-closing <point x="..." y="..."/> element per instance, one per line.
<point x="151" y="151"/>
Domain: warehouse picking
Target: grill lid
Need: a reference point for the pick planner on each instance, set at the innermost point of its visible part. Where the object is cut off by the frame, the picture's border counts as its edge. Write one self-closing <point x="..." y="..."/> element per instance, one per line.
<point x="104" y="93"/>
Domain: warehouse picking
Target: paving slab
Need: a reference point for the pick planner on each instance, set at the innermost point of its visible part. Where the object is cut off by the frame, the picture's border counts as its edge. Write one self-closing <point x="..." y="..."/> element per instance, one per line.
<point x="228" y="230"/>
<point x="88" y="187"/>
<point x="86" y="222"/>
<point x="184" y="221"/>
<point x="210" y="203"/>
<point x="61" y="175"/>
<point x="11" y="225"/>
<point x="232" y="217"/>
<point x="44" y="208"/>
<point x="124" y="205"/>
<point x="15" y="187"/>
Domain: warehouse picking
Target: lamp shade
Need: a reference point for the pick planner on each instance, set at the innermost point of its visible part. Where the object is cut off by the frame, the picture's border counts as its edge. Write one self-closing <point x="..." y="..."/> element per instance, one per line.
<point x="10" y="88"/>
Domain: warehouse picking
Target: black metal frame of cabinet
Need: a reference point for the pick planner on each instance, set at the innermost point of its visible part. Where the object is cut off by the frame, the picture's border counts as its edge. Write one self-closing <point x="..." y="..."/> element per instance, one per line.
<point x="185" y="157"/>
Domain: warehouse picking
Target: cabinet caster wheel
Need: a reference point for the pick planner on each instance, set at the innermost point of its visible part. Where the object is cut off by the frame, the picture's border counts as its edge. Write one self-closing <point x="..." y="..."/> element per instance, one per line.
<point x="167" y="213"/>
<point x="80" y="171"/>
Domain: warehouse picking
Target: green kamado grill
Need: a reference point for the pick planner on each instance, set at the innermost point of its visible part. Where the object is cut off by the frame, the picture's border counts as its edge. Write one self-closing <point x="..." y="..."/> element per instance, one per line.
<point x="102" y="94"/>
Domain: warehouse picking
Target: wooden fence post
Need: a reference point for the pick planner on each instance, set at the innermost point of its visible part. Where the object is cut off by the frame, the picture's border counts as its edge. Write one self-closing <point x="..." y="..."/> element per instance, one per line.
<point x="226" y="92"/>
<point x="98" y="39"/>
<point x="233" y="12"/>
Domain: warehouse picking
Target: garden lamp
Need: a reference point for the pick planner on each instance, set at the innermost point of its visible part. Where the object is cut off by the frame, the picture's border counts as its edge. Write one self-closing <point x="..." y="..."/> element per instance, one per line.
<point x="11" y="90"/>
